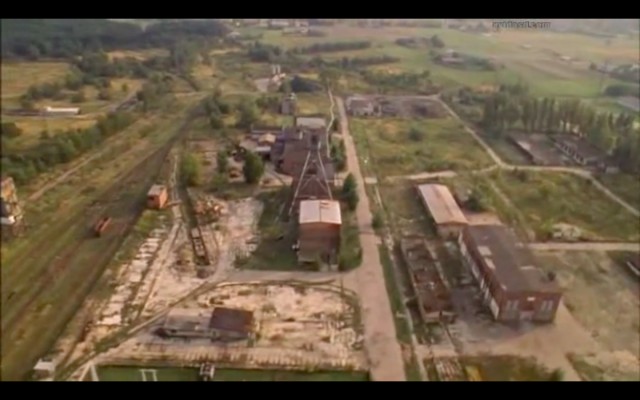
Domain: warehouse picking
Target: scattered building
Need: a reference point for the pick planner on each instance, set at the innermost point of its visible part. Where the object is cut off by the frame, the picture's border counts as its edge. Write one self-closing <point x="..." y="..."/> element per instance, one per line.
<point x="443" y="209"/>
<point x="61" y="112"/>
<point x="11" y="212"/>
<point x="512" y="286"/>
<point x="581" y="151"/>
<point x="538" y="149"/>
<point x="319" y="224"/>
<point x="45" y="369"/>
<point x="157" y="197"/>
<point x="361" y="107"/>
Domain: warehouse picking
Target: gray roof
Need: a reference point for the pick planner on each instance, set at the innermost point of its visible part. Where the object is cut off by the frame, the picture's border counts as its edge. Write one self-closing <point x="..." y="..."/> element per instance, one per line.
<point x="311" y="122"/>
<point x="442" y="206"/>
<point x="580" y="145"/>
<point x="156" y="190"/>
<point x="512" y="263"/>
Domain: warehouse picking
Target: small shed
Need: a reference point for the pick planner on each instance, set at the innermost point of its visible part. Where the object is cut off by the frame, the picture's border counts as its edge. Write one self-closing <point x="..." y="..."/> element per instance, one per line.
<point x="157" y="197"/>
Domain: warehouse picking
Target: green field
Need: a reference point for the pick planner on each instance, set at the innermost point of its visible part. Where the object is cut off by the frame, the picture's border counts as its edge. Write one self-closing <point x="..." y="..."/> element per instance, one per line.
<point x="624" y="185"/>
<point x="131" y="374"/>
<point x="17" y="77"/>
<point x="544" y="199"/>
<point x="443" y="145"/>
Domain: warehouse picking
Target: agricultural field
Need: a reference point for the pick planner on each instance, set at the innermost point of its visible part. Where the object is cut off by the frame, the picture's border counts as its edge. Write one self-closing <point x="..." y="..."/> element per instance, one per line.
<point x="16" y="78"/>
<point x="397" y="147"/>
<point x="545" y="199"/>
<point x="539" y="65"/>
<point x="122" y="373"/>
<point x="602" y="296"/>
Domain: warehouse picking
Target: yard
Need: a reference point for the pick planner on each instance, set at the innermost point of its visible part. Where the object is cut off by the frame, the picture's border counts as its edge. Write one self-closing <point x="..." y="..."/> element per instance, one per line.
<point x="544" y="199"/>
<point x="128" y="373"/>
<point x="397" y="147"/>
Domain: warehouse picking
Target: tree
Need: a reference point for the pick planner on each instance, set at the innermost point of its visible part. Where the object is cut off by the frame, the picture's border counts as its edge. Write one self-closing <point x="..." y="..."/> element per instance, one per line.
<point x="191" y="170"/>
<point x="10" y="130"/>
<point x="78" y="97"/>
<point x="104" y="94"/>
<point x="253" y="168"/>
<point x="437" y="42"/>
<point x="415" y="135"/>
<point x="350" y="192"/>
<point x="248" y="114"/>
<point x="223" y="161"/>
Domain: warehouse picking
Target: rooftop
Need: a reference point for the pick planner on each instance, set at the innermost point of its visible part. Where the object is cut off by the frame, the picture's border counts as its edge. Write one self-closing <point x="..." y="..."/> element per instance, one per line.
<point x="324" y="211"/>
<point x="311" y="122"/>
<point x="441" y="204"/>
<point x="230" y="319"/>
<point x="156" y="190"/>
<point x="512" y="263"/>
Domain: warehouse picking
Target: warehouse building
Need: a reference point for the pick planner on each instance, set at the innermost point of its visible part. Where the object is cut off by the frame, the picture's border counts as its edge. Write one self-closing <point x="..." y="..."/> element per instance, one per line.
<point x="443" y="210"/>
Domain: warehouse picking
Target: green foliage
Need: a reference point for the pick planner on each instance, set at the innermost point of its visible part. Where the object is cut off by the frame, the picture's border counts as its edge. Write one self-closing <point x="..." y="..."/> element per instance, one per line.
<point x="617" y="90"/>
<point x="415" y="135"/>
<point x="253" y="168"/>
<point x="350" y="192"/>
<point x="377" y="221"/>
<point x="247" y="113"/>
<point x="191" y="170"/>
<point x="78" y="97"/>
<point x="104" y="94"/>
<point x="331" y="47"/>
<point x="556" y="375"/>
<point x="10" y="130"/>
<point x="338" y="155"/>
<point x="437" y="42"/>
<point x="304" y="85"/>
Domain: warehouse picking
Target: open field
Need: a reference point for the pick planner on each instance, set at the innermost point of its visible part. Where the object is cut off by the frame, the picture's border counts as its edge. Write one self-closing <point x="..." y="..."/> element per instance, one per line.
<point x="545" y="199"/>
<point x="17" y="77"/>
<point x="441" y="145"/>
<point x="539" y="66"/>
<point x="35" y="286"/>
<point x="601" y="295"/>
<point x="122" y="373"/>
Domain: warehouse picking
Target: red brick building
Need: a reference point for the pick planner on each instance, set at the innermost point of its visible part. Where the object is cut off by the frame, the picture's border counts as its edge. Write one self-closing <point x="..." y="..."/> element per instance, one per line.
<point x="512" y="285"/>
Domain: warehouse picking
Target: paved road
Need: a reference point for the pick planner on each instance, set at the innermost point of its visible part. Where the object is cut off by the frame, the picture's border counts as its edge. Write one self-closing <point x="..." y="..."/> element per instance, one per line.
<point x="584" y="246"/>
<point x="384" y="352"/>
<point x="576" y="171"/>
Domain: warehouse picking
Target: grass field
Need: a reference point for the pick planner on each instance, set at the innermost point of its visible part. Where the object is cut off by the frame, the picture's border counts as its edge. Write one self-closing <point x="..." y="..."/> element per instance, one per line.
<point x="403" y="206"/>
<point x="17" y="77"/>
<point x="506" y="368"/>
<point x="624" y="185"/>
<point x="121" y="373"/>
<point x="550" y="198"/>
<point x="443" y="145"/>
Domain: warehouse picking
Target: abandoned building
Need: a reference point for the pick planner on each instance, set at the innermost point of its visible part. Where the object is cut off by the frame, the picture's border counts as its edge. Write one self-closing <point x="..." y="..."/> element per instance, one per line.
<point x="157" y="197"/>
<point x="319" y="224"/>
<point x="582" y="152"/>
<point x="223" y="324"/>
<point x="61" y="112"/>
<point x="290" y="150"/>
<point x="432" y="294"/>
<point x="512" y="286"/>
<point x="358" y="106"/>
<point x="443" y="209"/>
<point x="11" y="212"/>
<point x="538" y="149"/>
<point x="288" y="105"/>
<point x="310" y="121"/>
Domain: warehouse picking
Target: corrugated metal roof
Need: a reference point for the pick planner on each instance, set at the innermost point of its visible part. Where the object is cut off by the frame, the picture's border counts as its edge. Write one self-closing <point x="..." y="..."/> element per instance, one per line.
<point x="325" y="211"/>
<point x="441" y="204"/>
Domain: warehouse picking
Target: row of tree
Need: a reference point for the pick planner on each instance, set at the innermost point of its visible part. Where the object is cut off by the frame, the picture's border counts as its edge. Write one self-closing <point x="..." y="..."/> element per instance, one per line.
<point x="512" y="107"/>
<point x="61" y="148"/>
<point x="331" y="47"/>
<point x="64" y="38"/>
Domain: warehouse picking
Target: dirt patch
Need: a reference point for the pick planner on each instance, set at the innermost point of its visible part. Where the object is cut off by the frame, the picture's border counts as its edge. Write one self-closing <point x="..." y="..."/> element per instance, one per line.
<point x="606" y="366"/>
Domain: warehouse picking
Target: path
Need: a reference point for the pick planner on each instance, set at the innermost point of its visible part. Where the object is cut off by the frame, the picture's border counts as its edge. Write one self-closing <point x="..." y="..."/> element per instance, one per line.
<point x="575" y="171"/>
<point x="586" y="246"/>
<point x="382" y="346"/>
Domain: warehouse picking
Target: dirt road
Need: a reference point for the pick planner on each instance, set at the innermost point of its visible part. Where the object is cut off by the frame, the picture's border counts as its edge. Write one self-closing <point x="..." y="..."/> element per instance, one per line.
<point x="382" y="346"/>
<point x="583" y="246"/>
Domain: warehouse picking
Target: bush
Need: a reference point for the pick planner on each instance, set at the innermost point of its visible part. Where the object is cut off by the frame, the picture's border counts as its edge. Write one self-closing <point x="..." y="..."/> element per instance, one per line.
<point x="78" y="97"/>
<point x="10" y="130"/>
<point x="191" y="170"/>
<point x="253" y="168"/>
<point x="378" y="221"/>
<point x="415" y="135"/>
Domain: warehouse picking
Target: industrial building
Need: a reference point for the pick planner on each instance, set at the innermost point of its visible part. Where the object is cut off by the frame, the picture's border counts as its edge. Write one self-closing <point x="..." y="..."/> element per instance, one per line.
<point x="314" y="122"/>
<point x="581" y="151"/>
<point x="443" y="209"/>
<point x="223" y="324"/>
<point x="319" y="224"/>
<point x="157" y="197"/>
<point x="61" y="112"/>
<point x="512" y="286"/>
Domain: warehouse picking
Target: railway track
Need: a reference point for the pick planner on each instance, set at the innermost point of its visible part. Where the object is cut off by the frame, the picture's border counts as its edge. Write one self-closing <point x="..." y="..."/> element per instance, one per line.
<point x="85" y="259"/>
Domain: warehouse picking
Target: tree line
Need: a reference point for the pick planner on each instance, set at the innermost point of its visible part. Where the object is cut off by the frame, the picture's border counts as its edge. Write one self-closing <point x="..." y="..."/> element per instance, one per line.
<point x="512" y="107"/>
<point x="62" y="148"/>
<point x="331" y="47"/>
<point x="64" y="38"/>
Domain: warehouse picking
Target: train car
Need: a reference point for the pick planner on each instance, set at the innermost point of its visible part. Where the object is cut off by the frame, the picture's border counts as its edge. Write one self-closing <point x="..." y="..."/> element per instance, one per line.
<point x="101" y="226"/>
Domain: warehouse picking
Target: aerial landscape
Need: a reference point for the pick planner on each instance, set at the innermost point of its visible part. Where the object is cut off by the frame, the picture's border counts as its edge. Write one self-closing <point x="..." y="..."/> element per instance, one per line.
<point x="320" y="200"/>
